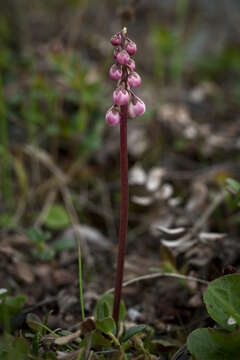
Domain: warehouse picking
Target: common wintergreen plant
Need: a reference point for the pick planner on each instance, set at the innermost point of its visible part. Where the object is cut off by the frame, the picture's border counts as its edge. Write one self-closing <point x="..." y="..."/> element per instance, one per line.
<point x="126" y="104"/>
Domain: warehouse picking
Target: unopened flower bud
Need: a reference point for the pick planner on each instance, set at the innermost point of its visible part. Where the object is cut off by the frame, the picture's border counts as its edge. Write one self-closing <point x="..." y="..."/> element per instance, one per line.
<point x="123" y="57"/>
<point x="115" y="40"/>
<point x="136" y="107"/>
<point x="120" y="96"/>
<point x="131" y="47"/>
<point x="131" y="64"/>
<point x="134" y="80"/>
<point x="112" y="117"/>
<point x="115" y="72"/>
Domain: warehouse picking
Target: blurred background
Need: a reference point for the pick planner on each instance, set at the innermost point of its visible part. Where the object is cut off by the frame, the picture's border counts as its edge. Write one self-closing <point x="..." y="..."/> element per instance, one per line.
<point x="59" y="167"/>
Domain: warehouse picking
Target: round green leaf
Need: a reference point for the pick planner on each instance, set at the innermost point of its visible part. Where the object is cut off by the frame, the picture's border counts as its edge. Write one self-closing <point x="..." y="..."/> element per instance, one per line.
<point x="214" y="344"/>
<point x="56" y="218"/>
<point x="106" y="325"/>
<point x="104" y="308"/>
<point x="222" y="300"/>
<point x="15" y="303"/>
<point x="34" y="322"/>
<point x="98" y="339"/>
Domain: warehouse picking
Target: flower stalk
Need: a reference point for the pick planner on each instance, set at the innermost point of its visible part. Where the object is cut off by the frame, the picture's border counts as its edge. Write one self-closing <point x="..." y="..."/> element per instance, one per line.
<point x="124" y="211"/>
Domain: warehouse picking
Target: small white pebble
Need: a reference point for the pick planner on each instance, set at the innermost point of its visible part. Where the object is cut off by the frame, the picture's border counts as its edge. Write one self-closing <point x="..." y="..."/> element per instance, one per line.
<point x="3" y="291"/>
<point x="133" y="314"/>
<point x="231" y="321"/>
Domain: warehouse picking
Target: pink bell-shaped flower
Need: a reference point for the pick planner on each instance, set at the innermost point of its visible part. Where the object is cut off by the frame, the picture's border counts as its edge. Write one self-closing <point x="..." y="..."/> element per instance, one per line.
<point x="131" y="47"/>
<point x="123" y="57"/>
<point x="113" y="117"/>
<point x="120" y="96"/>
<point x="134" y="80"/>
<point x="115" y="40"/>
<point x="136" y="107"/>
<point x="115" y="72"/>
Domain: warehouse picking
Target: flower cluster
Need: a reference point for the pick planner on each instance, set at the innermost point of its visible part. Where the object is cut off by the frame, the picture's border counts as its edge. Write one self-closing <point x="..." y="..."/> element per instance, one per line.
<point x="123" y="71"/>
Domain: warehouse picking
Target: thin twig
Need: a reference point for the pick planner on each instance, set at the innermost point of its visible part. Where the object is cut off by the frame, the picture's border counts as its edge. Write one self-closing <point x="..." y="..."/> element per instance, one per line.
<point x="45" y="209"/>
<point x="107" y="206"/>
<point x="158" y="275"/>
<point x="45" y="158"/>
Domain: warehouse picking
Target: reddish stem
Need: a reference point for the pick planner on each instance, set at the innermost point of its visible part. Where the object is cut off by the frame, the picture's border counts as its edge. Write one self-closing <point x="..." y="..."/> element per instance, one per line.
<point x="124" y="212"/>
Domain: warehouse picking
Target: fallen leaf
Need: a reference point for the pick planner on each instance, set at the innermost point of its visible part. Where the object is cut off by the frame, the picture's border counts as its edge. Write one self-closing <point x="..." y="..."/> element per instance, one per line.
<point x="67" y="339"/>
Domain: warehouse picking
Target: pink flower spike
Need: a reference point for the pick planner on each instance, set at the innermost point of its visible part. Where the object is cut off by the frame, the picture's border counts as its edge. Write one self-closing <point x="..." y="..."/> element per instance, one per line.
<point x="112" y="117"/>
<point x="115" y="72"/>
<point x="131" y="64"/>
<point x="115" y="40"/>
<point x="134" y="80"/>
<point x="131" y="47"/>
<point x="123" y="57"/>
<point x="136" y="107"/>
<point x="120" y="96"/>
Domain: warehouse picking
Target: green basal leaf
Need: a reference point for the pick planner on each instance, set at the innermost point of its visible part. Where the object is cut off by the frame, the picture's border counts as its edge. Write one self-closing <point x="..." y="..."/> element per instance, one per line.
<point x="222" y="300"/>
<point x="214" y="344"/>
<point x="104" y="308"/>
<point x="34" y="322"/>
<point x="57" y="217"/>
<point x="99" y="340"/>
<point x="14" y="304"/>
<point x="45" y="254"/>
<point x="133" y="331"/>
<point x="228" y="340"/>
<point x="37" y="235"/>
<point x="106" y="325"/>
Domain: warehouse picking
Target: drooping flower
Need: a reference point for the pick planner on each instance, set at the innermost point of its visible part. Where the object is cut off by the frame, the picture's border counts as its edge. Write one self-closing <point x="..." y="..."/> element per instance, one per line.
<point x="115" y="72"/>
<point x="131" y="47"/>
<point x="134" y="80"/>
<point x="123" y="57"/>
<point x="136" y="107"/>
<point x="113" y="116"/>
<point x="116" y="40"/>
<point x="120" y="96"/>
